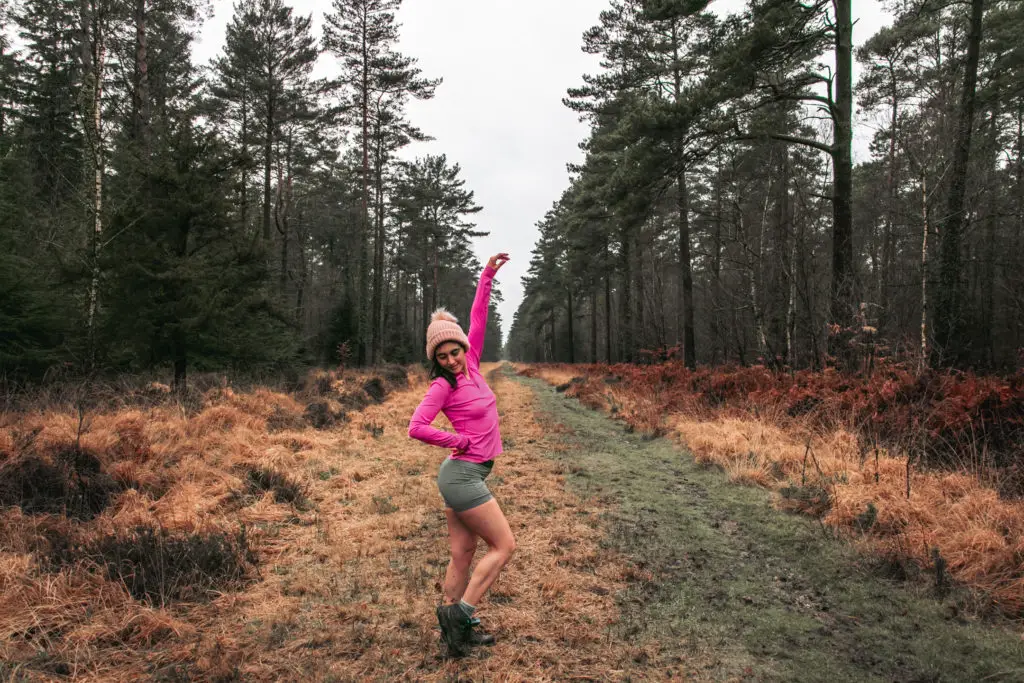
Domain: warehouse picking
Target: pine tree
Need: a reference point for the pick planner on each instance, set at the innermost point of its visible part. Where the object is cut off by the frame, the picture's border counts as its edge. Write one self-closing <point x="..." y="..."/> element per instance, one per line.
<point x="431" y="207"/>
<point x="653" y="55"/>
<point x="888" y="83"/>
<point x="269" y="56"/>
<point x="234" y="97"/>
<point x="950" y="304"/>
<point x="51" y="79"/>
<point x="187" y="286"/>
<point x="769" y="60"/>
<point x="10" y="77"/>
<point x="374" y="84"/>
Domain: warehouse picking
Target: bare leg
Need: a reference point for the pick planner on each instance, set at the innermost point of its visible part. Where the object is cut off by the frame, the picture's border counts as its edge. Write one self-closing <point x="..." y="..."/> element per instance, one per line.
<point x="463" y="546"/>
<point x="488" y="522"/>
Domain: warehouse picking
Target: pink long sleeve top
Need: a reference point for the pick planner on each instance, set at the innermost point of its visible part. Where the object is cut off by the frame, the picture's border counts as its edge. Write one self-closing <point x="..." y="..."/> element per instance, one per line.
<point x="471" y="406"/>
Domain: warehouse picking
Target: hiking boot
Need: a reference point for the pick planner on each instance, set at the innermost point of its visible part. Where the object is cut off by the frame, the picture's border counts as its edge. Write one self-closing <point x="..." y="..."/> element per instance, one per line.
<point x="478" y="637"/>
<point x="455" y="629"/>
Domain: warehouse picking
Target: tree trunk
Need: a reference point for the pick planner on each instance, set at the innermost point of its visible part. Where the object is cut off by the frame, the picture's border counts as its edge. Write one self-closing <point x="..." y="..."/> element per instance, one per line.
<point x="988" y="266"/>
<point x="283" y="276"/>
<point x="988" y="288"/>
<point x="806" y="287"/>
<point x="641" y="339"/>
<point x="179" y="340"/>
<point x="717" y="342"/>
<point x="378" y="254"/>
<point x="608" y="317"/>
<point x="625" y="300"/>
<point x="403" y="304"/>
<point x="94" y="55"/>
<point x="1018" y="243"/>
<point x="3" y="103"/>
<point x="791" y="304"/>
<point x="434" y="291"/>
<point x="950" y="296"/>
<point x="776" y="300"/>
<point x="593" y="325"/>
<point x="300" y="289"/>
<point x="244" y="171"/>
<point x="268" y="154"/>
<point x="659" y="308"/>
<point x="362" y="303"/>
<point x="141" y="100"/>
<point x="365" y="237"/>
<point x="552" y="349"/>
<point x="754" y="272"/>
<point x="890" y="221"/>
<point x="922" y="362"/>
<point x="843" y="303"/>
<point x="572" y="333"/>
<point x="389" y="317"/>
<point x="425" y="301"/>
<point x="282" y="209"/>
<point x="688" y="337"/>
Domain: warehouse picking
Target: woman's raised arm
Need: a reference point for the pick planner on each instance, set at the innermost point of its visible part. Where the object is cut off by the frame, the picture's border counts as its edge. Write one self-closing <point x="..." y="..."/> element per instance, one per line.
<point x="481" y="306"/>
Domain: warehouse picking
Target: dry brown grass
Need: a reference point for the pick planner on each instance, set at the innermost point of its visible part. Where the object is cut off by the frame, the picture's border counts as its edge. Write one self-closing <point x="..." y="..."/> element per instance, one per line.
<point x="347" y="581"/>
<point x="978" y="534"/>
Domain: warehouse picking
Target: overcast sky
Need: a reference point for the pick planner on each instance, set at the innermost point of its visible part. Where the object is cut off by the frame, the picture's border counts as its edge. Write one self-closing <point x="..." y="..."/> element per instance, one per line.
<point x="499" y="113"/>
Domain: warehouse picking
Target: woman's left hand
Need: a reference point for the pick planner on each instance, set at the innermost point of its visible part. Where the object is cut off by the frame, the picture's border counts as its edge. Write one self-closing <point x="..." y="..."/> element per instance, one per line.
<point x="498" y="260"/>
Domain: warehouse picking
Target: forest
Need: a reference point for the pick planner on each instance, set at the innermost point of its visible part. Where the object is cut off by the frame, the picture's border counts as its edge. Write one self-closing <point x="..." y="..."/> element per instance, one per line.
<point x="237" y="216"/>
<point x="246" y="214"/>
<point x="719" y="215"/>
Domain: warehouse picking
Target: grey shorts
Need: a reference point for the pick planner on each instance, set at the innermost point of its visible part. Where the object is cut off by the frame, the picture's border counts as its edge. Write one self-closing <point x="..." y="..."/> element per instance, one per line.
<point x="462" y="483"/>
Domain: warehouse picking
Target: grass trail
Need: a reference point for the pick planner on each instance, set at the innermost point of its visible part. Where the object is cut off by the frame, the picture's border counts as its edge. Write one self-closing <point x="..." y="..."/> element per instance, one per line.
<point x="743" y="591"/>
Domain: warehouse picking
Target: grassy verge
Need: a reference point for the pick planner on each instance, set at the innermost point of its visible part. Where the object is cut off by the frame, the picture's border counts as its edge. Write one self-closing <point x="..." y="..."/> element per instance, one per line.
<point x="951" y="520"/>
<point x="753" y="592"/>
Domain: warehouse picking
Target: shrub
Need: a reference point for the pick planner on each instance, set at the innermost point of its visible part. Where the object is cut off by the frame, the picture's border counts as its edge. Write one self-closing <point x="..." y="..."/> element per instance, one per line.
<point x="158" y="567"/>
<point x="375" y="389"/>
<point x="321" y="415"/>
<point x="70" y="481"/>
<point x="264" y="479"/>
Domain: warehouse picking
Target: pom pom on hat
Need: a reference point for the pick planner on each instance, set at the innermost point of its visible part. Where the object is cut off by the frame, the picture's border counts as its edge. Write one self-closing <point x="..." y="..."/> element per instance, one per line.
<point x="443" y="314"/>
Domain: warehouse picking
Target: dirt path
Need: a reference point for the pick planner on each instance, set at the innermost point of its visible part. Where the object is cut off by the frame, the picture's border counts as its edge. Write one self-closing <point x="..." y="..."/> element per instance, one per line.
<point x="743" y="591"/>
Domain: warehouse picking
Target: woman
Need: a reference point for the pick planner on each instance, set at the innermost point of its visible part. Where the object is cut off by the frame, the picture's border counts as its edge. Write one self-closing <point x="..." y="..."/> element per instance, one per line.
<point x="460" y="391"/>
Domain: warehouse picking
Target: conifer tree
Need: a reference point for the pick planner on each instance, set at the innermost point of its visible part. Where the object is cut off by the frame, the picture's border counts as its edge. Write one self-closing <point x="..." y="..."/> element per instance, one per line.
<point x="374" y="84"/>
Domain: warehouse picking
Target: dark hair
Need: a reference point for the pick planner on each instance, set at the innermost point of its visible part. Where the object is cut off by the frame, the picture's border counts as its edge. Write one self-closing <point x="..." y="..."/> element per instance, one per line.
<point x="438" y="370"/>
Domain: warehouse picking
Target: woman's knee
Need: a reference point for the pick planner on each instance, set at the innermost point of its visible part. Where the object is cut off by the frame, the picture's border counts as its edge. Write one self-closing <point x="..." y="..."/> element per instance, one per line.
<point x="507" y="548"/>
<point x="462" y="556"/>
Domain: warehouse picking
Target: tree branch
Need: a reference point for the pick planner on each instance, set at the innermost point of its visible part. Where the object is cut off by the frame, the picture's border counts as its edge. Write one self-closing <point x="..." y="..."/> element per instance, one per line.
<point x="824" y="102"/>
<point x="828" y="149"/>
